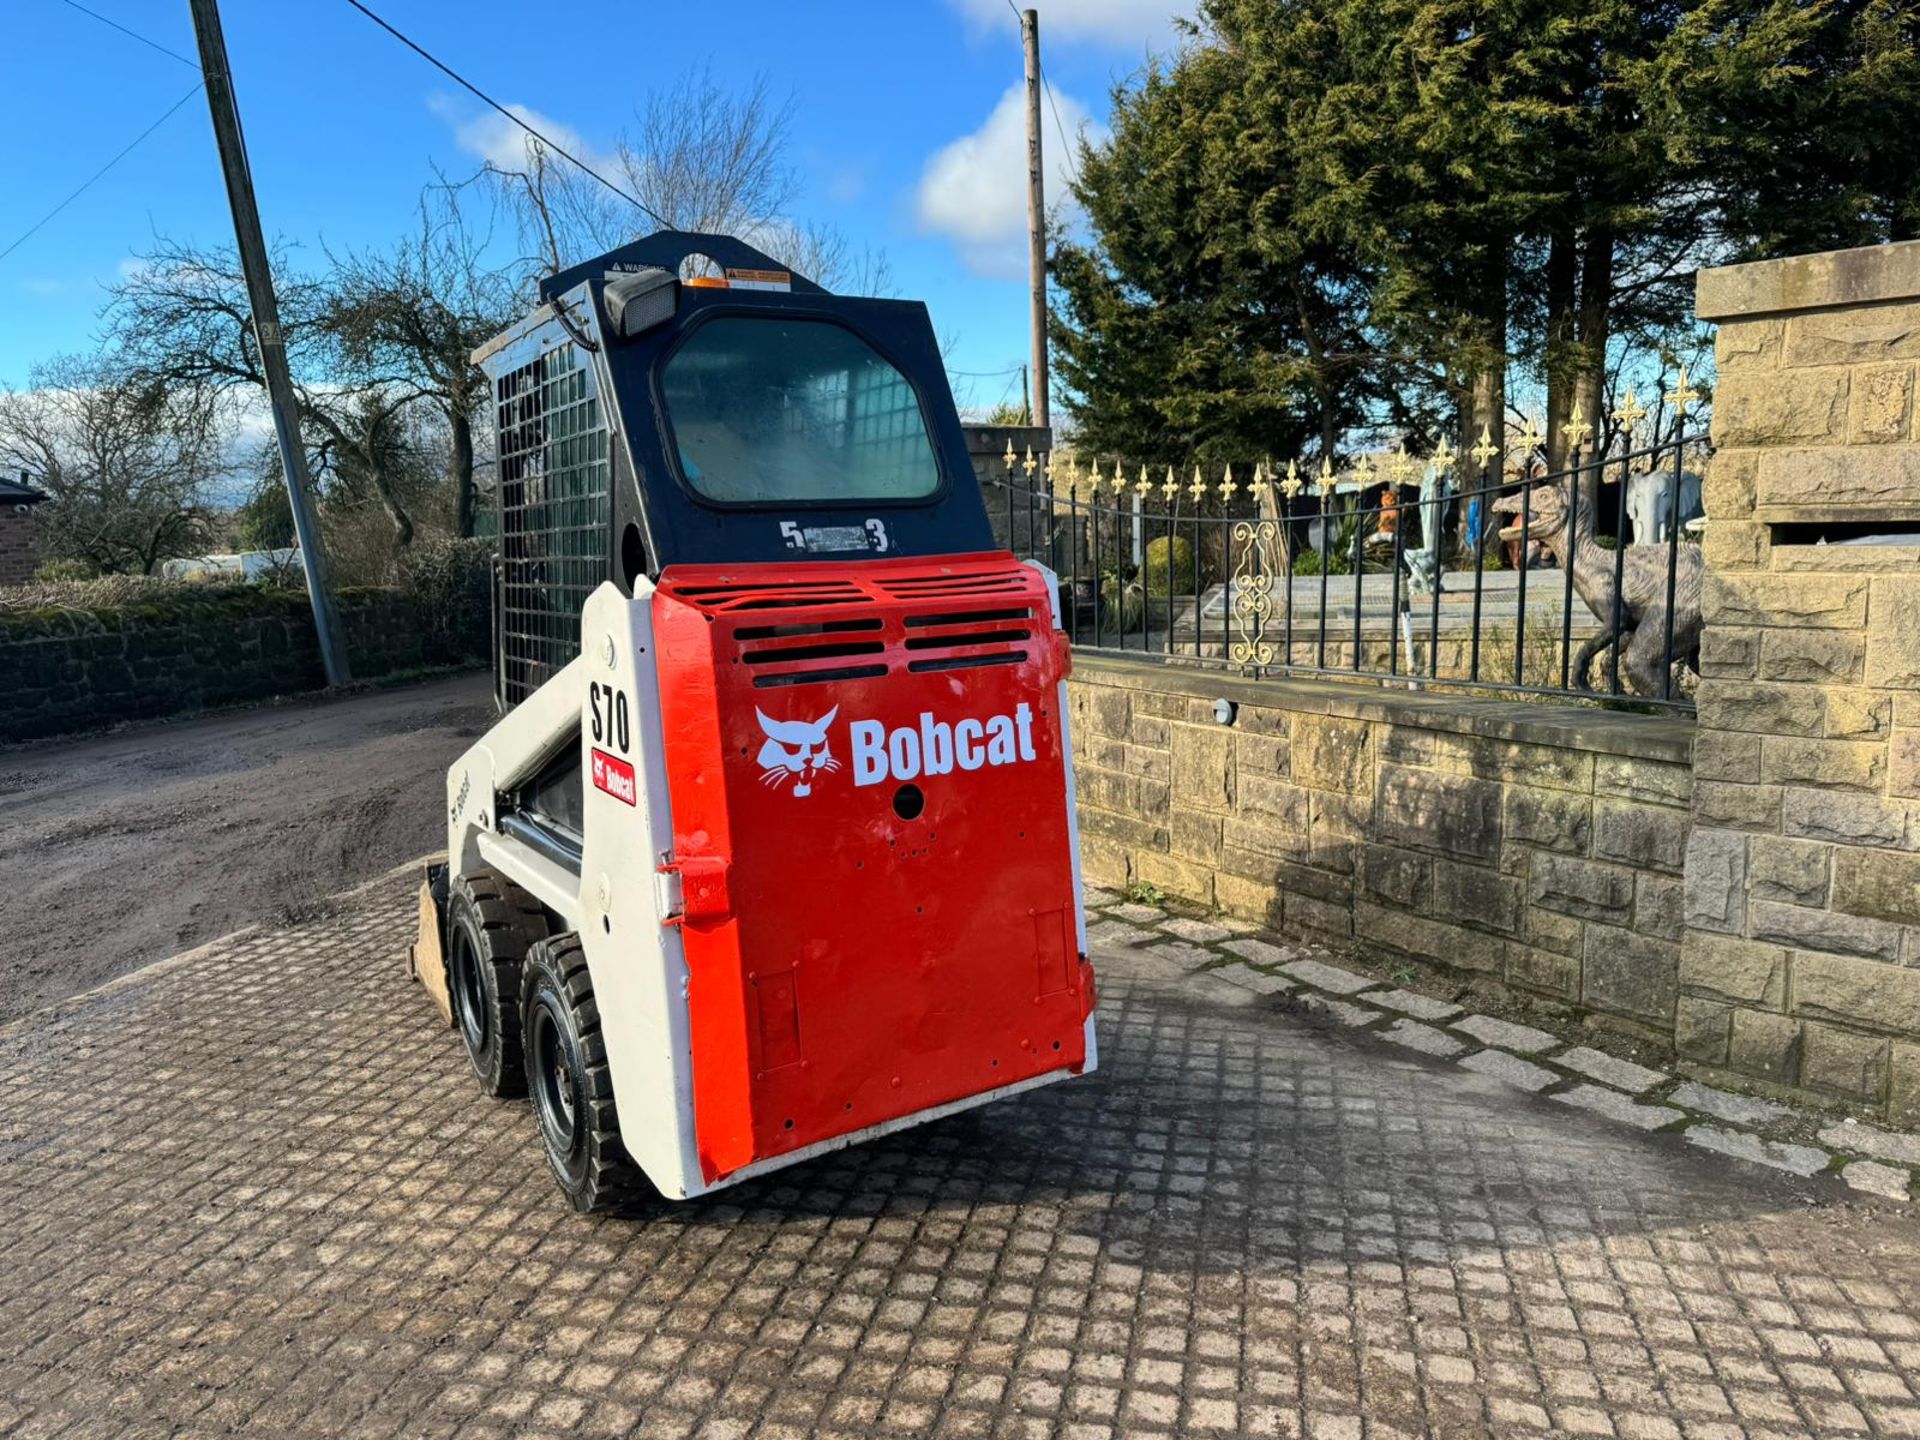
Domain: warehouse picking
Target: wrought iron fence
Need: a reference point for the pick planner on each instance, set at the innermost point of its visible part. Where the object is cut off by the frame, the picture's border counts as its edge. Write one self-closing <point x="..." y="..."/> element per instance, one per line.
<point x="1389" y="571"/>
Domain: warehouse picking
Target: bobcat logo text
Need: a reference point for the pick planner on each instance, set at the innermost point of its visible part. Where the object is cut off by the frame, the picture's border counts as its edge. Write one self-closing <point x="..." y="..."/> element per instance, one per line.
<point x="797" y="751"/>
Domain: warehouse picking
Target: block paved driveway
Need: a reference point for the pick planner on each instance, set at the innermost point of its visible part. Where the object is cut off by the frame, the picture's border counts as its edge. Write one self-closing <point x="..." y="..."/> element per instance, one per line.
<point x="253" y="1191"/>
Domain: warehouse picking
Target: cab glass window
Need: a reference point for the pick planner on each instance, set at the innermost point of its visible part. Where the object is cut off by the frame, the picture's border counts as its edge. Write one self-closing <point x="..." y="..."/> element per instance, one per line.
<point x="765" y="410"/>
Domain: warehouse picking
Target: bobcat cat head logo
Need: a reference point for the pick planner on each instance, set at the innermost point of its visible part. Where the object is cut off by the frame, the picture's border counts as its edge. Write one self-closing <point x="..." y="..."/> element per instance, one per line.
<point x="796" y="750"/>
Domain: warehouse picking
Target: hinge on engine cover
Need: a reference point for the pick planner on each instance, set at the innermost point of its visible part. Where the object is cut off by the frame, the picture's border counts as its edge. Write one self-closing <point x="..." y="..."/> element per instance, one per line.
<point x="703" y="889"/>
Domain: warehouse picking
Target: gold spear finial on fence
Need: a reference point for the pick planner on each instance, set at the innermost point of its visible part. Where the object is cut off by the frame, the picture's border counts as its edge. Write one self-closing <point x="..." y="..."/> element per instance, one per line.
<point x="1577" y="430"/>
<point x="1291" y="485"/>
<point x="1073" y="478"/>
<point x="1402" y="466"/>
<point x="1363" y="472"/>
<point x="1227" y="487"/>
<point x="1170" y="486"/>
<point x="1198" y="489"/>
<point x="1441" y="460"/>
<point x="1323" y="487"/>
<point x="1630" y="413"/>
<point x="1027" y="464"/>
<point x="1681" y="397"/>
<point x="1530" y="438"/>
<point x="1143" y="485"/>
<point x="1009" y="457"/>
<point x="1485" y="452"/>
<point x="1119" y="480"/>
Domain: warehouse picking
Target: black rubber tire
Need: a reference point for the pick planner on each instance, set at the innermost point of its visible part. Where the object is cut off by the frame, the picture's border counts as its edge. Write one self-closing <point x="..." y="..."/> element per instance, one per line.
<point x="491" y="922"/>
<point x="569" y="1082"/>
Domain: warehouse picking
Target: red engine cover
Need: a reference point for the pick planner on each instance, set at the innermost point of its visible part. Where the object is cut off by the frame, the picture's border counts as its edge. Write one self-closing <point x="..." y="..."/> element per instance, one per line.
<point x="870" y="815"/>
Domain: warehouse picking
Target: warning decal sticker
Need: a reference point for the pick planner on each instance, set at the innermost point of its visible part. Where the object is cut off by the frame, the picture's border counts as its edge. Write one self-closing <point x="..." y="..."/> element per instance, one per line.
<point x="739" y="279"/>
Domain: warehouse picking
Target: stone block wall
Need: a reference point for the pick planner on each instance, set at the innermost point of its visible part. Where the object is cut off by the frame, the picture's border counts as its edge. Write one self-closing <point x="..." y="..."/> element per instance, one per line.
<point x="67" y="670"/>
<point x="1801" y="962"/>
<point x="1014" y="518"/>
<point x="1539" y="848"/>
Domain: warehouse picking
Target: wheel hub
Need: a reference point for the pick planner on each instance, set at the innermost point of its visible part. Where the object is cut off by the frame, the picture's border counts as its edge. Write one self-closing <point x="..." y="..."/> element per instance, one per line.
<point x="470" y="995"/>
<point x="558" y="1104"/>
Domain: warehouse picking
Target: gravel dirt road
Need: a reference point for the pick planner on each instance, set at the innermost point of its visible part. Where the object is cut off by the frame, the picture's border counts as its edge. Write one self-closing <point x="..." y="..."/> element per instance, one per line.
<point x="122" y="849"/>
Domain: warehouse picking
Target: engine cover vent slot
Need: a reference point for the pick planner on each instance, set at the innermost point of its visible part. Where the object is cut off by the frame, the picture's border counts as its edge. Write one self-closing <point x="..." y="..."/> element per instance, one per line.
<point x="966" y="662"/>
<point x="766" y="681"/>
<point x="826" y="650"/>
<point x="818" y="627"/>
<point x="975" y="637"/>
<point x="966" y="617"/>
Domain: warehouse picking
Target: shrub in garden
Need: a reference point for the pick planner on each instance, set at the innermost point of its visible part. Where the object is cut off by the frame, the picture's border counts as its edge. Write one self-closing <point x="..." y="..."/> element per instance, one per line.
<point x="450" y="583"/>
<point x="1170" y="568"/>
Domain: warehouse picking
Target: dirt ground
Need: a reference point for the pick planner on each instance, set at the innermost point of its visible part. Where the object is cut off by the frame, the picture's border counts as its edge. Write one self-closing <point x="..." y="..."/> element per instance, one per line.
<point x="122" y="849"/>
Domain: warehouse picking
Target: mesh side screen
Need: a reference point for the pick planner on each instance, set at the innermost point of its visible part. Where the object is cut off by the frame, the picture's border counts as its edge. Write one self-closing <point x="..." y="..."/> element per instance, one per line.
<point x="555" y="489"/>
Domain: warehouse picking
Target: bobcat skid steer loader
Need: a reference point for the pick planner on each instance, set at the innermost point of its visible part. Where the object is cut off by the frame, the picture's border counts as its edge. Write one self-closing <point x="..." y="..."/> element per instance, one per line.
<point x="773" y="849"/>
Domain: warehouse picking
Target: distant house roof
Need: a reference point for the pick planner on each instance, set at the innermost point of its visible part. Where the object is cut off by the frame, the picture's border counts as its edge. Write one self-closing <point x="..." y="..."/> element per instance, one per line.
<point x="18" y="492"/>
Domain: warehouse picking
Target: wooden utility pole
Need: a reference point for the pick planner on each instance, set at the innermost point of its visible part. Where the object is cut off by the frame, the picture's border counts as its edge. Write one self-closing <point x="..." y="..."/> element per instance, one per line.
<point x="1036" y="214"/>
<point x="266" y="331"/>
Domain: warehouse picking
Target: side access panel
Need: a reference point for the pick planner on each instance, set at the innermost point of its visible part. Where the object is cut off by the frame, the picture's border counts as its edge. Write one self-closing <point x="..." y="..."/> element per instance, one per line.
<point x="871" y="821"/>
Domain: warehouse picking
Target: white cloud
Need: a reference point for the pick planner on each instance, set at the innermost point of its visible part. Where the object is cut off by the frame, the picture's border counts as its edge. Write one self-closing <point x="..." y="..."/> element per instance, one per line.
<point x="974" y="190"/>
<point x="1119" y="23"/>
<point x="491" y="137"/>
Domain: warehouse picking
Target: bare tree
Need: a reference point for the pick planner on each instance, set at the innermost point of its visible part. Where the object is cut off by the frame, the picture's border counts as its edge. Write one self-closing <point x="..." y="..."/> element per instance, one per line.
<point x="563" y="214"/>
<point x="382" y="468"/>
<point x="703" y="159"/>
<point x="364" y="435"/>
<point x="181" y="321"/>
<point x="127" y="466"/>
<point x="418" y="311"/>
<point x="699" y="158"/>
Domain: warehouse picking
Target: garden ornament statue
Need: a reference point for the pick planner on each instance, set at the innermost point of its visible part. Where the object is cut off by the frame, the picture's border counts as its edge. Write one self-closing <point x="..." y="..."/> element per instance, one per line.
<point x="1559" y="518"/>
<point x="1423" y="565"/>
<point x="1649" y="502"/>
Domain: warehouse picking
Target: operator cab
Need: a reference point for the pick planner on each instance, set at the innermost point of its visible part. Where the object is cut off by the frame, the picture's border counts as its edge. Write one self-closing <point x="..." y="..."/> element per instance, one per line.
<point x="746" y="415"/>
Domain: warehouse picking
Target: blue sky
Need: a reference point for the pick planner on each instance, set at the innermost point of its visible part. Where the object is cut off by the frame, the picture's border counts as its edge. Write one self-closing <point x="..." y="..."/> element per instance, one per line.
<point x="906" y="129"/>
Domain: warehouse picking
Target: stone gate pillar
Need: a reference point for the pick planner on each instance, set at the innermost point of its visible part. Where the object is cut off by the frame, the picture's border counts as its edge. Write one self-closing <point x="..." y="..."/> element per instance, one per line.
<point x="1801" y="960"/>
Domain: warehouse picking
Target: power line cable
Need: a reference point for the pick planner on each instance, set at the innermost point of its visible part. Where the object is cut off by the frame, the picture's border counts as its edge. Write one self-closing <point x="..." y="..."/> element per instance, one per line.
<point x="475" y="90"/>
<point x="1006" y="391"/>
<point x="1066" y="146"/>
<point x="131" y="146"/>
<point x="988" y="374"/>
<point x="134" y="34"/>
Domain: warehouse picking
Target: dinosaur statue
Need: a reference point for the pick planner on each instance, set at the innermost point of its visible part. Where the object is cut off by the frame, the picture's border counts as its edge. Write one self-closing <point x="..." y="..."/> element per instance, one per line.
<point x="1559" y="518"/>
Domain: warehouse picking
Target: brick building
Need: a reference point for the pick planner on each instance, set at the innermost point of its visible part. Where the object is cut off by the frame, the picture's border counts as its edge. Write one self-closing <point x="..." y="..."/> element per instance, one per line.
<point x="19" y="533"/>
